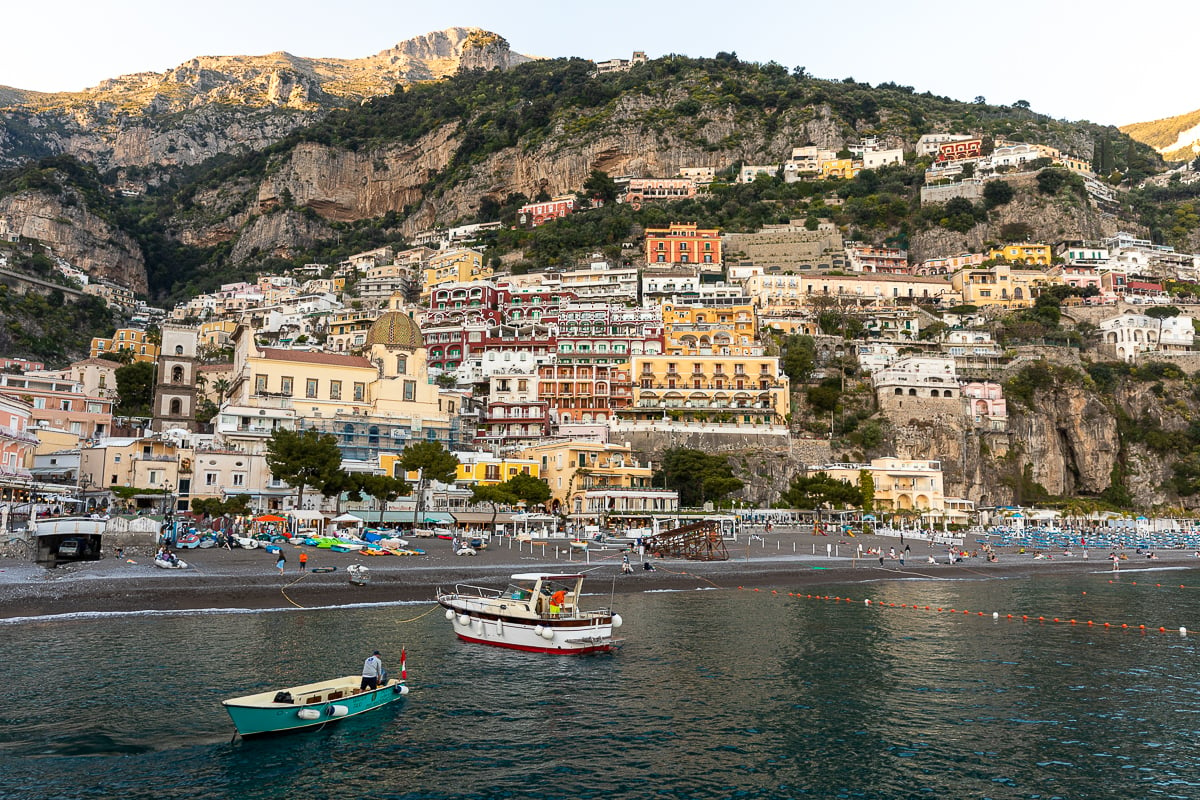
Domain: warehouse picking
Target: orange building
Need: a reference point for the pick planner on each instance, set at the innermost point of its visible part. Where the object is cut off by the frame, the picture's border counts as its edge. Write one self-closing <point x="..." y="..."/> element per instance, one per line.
<point x="683" y="244"/>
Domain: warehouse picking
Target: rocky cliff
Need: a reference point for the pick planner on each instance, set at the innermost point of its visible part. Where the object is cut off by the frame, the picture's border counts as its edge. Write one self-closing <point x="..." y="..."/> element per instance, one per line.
<point x="216" y="104"/>
<point x="63" y="224"/>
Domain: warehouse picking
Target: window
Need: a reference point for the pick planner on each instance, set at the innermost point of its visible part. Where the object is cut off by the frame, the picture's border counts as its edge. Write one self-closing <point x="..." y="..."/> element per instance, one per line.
<point x="239" y="479"/>
<point x="401" y="364"/>
<point x="335" y="390"/>
<point x="360" y="392"/>
<point x="177" y="374"/>
<point x="285" y="386"/>
<point x="211" y="478"/>
<point x="410" y="390"/>
<point x="260" y="384"/>
<point x="310" y="387"/>
<point x="176" y="407"/>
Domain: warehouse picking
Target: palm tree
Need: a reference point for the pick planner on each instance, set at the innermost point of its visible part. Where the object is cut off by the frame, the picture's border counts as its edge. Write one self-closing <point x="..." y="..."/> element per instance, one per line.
<point x="221" y="385"/>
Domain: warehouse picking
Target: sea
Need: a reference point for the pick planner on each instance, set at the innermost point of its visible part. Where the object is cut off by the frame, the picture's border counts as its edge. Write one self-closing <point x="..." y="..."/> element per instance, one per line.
<point x="747" y="693"/>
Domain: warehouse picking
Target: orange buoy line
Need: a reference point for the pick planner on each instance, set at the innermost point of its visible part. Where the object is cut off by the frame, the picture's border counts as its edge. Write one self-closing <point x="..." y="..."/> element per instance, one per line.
<point x="995" y="615"/>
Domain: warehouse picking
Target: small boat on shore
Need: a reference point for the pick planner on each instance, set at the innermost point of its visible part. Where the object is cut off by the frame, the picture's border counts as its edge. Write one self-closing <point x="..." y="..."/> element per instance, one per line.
<point x="537" y="612"/>
<point x="170" y="563"/>
<point x="312" y="704"/>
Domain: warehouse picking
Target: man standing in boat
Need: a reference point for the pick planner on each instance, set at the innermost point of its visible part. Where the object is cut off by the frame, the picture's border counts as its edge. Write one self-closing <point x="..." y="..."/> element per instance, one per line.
<point x="372" y="672"/>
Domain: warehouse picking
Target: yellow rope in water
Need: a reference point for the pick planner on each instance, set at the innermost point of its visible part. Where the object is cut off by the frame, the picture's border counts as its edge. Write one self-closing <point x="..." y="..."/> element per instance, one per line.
<point x="414" y="619"/>
<point x="288" y="586"/>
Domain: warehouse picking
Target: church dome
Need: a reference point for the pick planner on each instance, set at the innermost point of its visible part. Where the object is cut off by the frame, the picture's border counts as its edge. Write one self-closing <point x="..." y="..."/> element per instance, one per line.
<point x="395" y="329"/>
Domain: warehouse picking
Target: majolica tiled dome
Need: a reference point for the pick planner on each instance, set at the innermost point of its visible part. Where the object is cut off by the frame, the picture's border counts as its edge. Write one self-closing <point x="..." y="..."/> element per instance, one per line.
<point x="395" y="329"/>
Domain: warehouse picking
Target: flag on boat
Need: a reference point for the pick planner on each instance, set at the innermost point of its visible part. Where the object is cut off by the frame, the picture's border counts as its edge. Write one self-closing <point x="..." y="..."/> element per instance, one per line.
<point x="403" y="665"/>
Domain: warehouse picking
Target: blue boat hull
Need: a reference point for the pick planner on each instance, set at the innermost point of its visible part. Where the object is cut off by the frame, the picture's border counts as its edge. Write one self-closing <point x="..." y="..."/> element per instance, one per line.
<point x="313" y="705"/>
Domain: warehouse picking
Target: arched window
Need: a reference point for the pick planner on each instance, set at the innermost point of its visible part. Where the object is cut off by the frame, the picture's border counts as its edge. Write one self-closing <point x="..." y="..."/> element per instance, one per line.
<point x="178" y="349"/>
<point x="177" y="374"/>
<point x="176" y="407"/>
<point x="401" y="364"/>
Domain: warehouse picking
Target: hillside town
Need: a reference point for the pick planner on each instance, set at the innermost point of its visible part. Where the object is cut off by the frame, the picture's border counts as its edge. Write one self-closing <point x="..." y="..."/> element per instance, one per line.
<point x="581" y="376"/>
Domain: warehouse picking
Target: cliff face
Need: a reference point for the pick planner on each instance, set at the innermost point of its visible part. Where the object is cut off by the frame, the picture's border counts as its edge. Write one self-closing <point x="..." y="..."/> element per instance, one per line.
<point x="216" y="104"/>
<point x="1051" y="220"/>
<point x="71" y="232"/>
<point x="1070" y="440"/>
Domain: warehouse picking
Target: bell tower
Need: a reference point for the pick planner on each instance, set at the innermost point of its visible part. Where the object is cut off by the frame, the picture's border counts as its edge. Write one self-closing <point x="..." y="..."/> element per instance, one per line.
<point x="175" y="386"/>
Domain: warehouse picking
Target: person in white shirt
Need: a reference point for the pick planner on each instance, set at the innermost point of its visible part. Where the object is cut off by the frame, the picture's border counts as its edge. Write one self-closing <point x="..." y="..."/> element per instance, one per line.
<point x="372" y="672"/>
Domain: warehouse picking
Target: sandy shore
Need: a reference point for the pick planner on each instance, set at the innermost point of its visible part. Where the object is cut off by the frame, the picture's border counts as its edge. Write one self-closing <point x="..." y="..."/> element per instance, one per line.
<point x="219" y="578"/>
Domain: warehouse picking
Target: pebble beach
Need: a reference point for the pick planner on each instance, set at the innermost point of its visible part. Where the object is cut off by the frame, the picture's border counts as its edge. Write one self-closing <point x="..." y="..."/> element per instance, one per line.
<point x="217" y="578"/>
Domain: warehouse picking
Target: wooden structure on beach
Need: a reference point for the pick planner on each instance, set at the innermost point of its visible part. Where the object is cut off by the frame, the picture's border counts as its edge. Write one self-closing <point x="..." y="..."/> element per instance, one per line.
<point x="700" y="541"/>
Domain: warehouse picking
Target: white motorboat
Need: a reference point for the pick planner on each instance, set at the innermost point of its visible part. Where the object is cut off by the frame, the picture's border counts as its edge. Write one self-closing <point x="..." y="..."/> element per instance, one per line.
<point x="537" y="612"/>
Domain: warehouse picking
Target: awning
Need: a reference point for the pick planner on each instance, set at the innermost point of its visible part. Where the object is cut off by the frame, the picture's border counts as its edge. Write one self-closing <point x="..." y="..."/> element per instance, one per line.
<point x="476" y="517"/>
<point x="405" y="517"/>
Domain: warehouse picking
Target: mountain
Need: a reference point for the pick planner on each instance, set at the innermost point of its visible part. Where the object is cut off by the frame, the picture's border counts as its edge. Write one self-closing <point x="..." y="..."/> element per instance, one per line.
<point x="218" y="104"/>
<point x="1176" y="138"/>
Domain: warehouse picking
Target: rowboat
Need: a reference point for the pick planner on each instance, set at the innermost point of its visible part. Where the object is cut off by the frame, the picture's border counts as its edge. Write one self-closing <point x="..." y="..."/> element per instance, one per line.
<point x="312" y="704"/>
<point x="537" y="612"/>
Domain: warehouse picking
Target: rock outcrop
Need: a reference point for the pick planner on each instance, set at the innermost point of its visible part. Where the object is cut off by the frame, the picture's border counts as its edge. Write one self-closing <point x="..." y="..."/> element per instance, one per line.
<point x="63" y="224"/>
<point x="217" y="104"/>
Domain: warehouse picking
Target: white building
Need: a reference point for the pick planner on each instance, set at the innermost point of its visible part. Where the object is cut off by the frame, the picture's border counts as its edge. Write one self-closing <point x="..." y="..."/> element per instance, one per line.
<point x="1131" y="334"/>
<point x="918" y="376"/>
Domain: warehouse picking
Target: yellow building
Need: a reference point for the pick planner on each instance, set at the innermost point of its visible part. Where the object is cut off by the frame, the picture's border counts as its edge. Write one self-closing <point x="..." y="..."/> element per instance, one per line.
<point x="713" y="388"/>
<point x="454" y="266"/>
<point x="1000" y="285"/>
<point x="347" y="329"/>
<point x="840" y="168"/>
<point x="1028" y="254"/>
<point x="137" y="343"/>
<point x="573" y="468"/>
<point x="378" y="402"/>
<point x="900" y="484"/>
<point x="215" y="334"/>
<point x="705" y="330"/>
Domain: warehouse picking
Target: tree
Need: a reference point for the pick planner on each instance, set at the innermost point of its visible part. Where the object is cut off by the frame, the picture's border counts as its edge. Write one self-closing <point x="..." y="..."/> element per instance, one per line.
<point x="1050" y="181"/>
<point x="697" y="476"/>
<point x="866" y="486"/>
<point x="221" y="386"/>
<point x="339" y="482"/>
<point x="996" y="193"/>
<point x="820" y="489"/>
<point x="384" y="488"/>
<point x="430" y="461"/>
<point x="532" y="491"/>
<point x="496" y="495"/>
<point x="599" y="186"/>
<point x="799" y="358"/>
<point x="135" y="386"/>
<point x="1021" y="104"/>
<point x="1163" y="312"/>
<point x="303" y="458"/>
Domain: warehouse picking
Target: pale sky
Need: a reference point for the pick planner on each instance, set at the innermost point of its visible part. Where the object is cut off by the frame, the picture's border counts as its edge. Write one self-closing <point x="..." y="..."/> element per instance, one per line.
<point x="1108" y="61"/>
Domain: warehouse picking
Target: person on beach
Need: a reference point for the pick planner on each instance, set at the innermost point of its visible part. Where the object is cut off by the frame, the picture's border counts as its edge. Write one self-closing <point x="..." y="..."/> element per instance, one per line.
<point x="281" y="562"/>
<point x="372" y="671"/>
<point x="626" y="567"/>
<point x="303" y="562"/>
<point x="646" y="565"/>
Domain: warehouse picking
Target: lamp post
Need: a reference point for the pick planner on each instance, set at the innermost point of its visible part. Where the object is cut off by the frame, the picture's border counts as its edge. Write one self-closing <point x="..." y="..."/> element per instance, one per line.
<point x="168" y="528"/>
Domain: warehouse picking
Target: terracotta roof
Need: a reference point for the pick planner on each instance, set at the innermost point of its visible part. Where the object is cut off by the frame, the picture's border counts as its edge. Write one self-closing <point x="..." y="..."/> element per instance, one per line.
<point x="307" y="357"/>
<point x="103" y="362"/>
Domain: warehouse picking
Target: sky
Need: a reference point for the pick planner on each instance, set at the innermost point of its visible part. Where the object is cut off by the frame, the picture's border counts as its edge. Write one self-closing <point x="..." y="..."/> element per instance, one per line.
<point x="1095" y="61"/>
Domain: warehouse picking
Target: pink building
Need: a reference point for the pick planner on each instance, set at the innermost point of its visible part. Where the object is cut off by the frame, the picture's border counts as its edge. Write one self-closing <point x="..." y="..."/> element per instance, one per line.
<point x="535" y="214"/>
<point x="948" y="265"/>
<point x="16" y="445"/>
<point x="986" y="405"/>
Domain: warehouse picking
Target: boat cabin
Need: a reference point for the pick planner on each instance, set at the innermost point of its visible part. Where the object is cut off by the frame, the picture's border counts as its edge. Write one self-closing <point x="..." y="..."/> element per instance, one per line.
<point x="546" y="593"/>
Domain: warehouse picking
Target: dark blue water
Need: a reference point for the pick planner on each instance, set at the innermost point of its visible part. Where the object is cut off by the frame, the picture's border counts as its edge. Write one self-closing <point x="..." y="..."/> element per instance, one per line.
<point x="716" y="694"/>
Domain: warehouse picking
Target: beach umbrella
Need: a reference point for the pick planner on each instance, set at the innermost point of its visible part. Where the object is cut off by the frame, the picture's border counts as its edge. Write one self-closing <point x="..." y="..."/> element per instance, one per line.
<point x="269" y="518"/>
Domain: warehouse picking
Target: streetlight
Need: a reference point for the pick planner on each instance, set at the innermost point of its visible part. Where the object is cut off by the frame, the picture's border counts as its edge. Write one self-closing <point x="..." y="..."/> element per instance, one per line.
<point x="168" y="531"/>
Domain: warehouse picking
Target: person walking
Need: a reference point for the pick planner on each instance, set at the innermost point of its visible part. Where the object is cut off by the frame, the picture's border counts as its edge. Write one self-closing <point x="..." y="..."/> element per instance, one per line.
<point x="626" y="567"/>
<point x="372" y="671"/>
<point x="303" y="562"/>
<point x="281" y="562"/>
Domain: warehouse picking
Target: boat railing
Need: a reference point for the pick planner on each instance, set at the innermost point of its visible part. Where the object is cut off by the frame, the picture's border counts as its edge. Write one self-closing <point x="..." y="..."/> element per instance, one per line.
<point x="484" y="592"/>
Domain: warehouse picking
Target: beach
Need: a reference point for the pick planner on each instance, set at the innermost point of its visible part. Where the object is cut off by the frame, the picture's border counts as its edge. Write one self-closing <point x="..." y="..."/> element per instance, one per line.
<point x="229" y="579"/>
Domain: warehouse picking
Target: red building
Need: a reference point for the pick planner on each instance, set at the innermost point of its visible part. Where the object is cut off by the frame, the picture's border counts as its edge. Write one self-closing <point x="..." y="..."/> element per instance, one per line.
<point x="535" y="214"/>
<point x="960" y="151"/>
<point x="530" y="304"/>
<point x="683" y="244"/>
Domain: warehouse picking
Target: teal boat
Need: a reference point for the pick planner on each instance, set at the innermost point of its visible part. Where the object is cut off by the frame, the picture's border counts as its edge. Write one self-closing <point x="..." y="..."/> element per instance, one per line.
<point x="311" y="705"/>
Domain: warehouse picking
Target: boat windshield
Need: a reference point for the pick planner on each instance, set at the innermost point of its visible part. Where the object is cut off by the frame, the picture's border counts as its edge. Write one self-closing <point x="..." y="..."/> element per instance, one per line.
<point x="517" y="592"/>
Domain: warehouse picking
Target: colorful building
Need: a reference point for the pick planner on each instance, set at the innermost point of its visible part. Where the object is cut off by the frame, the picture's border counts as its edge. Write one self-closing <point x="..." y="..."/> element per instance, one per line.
<point x="534" y="214"/>
<point x="742" y="389"/>
<point x="461" y="265"/>
<point x="572" y="469"/>
<point x="137" y="343"/>
<point x="707" y="330"/>
<point x="1000" y="285"/>
<point x="1028" y="254"/>
<point x="683" y="244"/>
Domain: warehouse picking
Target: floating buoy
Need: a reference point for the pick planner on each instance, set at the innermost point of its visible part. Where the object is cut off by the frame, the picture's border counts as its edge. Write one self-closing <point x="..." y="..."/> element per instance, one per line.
<point x="996" y="615"/>
<point x="866" y="602"/>
<point x="617" y="621"/>
<point x="1182" y="631"/>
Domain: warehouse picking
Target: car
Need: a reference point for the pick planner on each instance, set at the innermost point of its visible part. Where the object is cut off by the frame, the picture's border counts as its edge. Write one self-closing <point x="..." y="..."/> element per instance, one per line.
<point x="70" y="548"/>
